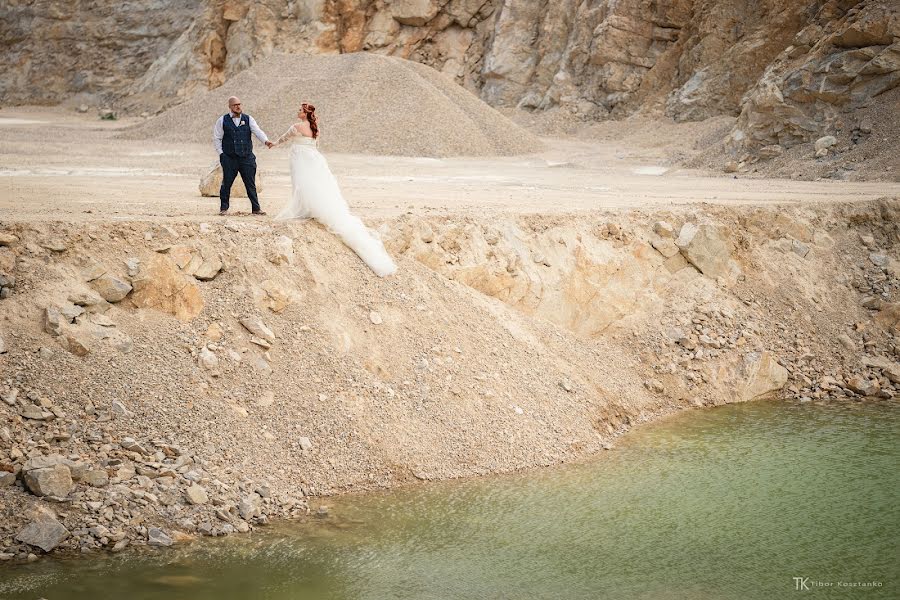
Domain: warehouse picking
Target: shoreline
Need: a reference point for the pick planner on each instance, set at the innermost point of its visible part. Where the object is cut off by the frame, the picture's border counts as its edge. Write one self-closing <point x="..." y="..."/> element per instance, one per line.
<point x="202" y="378"/>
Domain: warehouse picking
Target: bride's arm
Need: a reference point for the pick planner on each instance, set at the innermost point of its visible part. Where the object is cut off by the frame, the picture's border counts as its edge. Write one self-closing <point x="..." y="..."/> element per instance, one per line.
<point x="290" y="133"/>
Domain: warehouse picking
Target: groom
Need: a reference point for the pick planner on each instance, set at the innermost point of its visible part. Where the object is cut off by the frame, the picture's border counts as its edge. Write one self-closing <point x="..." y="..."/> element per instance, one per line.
<point x="231" y="138"/>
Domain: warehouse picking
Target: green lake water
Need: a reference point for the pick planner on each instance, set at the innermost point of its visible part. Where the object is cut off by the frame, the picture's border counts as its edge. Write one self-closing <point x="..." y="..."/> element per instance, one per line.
<point x="731" y="502"/>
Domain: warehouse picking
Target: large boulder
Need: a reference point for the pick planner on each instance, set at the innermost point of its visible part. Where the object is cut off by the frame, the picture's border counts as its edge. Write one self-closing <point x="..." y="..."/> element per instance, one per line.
<point x="45" y="533"/>
<point x="55" y="480"/>
<point x="890" y="368"/>
<point x="750" y="376"/>
<point x="764" y="376"/>
<point x="889" y="316"/>
<point x="161" y="285"/>
<point x="111" y="288"/>
<point x="706" y="248"/>
<point x="211" y="182"/>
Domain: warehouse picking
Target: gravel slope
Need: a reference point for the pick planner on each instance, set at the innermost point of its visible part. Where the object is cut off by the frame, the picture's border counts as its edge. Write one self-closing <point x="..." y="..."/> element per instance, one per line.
<point x="367" y="104"/>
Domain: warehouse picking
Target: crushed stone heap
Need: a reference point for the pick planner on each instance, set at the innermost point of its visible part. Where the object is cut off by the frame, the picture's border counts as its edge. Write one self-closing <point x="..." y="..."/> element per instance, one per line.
<point x="367" y="104"/>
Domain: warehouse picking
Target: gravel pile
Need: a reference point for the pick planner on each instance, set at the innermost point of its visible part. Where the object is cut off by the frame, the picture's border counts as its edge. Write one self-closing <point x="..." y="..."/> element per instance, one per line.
<point x="367" y="104"/>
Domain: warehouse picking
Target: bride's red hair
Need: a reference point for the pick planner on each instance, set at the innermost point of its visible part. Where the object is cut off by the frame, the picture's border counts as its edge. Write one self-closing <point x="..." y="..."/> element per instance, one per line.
<point x="310" y="112"/>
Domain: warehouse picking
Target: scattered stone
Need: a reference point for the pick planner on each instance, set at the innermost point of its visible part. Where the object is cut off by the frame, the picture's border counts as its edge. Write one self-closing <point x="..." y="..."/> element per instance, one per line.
<point x="771" y="151"/>
<point x="249" y="506"/>
<point x="893" y="268"/>
<point x="111" y="288"/>
<point x="10" y="396"/>
<point x="85" y="298"/>
<point x="158" y="537"/>
<point x="664" y="229"/>
<point x="54" y="245"/>
<point x="889" y="316"/>
<point x="7" y="239"/>
<point x="35" y="413"/>
<point x="825" y="142"/>
<point x="305" y="444"/>
<point x="132" y="445"/>
<point x="799" y="248"/>
<point x="891" y="369"/>
<point x="7" y="478"/>
<point x="95" y="478"/>
<point x="879" y="260"/>
<point x="52" y="321"/>
<point x="215" y="332"/>
<point x="102" y="320"/>
<point x="196" y="494"/>
<point x="665" y="246"/>
<point x="846" y="341"/>
<point x="120" y="410"/>
<point x="45" y="533"/>
<point x="256" y="326"/>
<point x="868" y="241"/>
<point x="872" y="303"/>
<point x="208" y="359"/>
<point x="260" y="342"/>
<point x="92" y="270"/>
<point x="282" y="251"/>
<point x="209" y="269"/>
<point x="3" y="349"/>
<point x="134" y="266"/>
<point x="78" y="343"/>
<point x="654" y="386"/>
<point x="375" y="317"/>
<point x="863" y="385"/>
<point x="70" y="312"/>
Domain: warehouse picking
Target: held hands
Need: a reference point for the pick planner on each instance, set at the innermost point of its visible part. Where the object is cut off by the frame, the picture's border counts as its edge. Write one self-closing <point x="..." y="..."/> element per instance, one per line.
<point x="269" y="144"/>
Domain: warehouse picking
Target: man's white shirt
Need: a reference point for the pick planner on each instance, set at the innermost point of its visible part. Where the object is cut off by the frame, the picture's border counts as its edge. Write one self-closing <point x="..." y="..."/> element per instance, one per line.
<point x="219" y="130"/>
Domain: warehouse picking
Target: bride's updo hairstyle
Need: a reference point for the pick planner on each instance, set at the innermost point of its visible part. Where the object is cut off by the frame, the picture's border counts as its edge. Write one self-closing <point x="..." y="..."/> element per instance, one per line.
<point x="310" y="111"/>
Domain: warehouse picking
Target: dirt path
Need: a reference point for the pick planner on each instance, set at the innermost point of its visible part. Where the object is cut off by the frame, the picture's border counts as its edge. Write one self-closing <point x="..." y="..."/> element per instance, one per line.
<point x="58" y="165"/>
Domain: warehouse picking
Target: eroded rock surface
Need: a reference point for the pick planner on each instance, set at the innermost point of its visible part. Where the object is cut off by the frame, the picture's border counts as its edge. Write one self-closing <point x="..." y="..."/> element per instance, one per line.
<point x="788" y="67"/>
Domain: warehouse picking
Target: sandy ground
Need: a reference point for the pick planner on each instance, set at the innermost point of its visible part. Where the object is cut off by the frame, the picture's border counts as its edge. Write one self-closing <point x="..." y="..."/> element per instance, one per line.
<point x="62" y="165"/>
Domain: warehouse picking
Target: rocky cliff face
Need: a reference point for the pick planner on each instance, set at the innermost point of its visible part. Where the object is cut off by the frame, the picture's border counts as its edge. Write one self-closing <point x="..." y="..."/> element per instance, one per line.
<point x="843" y="60"/>
<point x="786" y="66"/>
<point x="54" y="50"/>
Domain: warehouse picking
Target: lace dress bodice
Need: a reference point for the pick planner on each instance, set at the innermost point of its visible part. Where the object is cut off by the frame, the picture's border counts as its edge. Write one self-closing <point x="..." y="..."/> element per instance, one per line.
<point x="296" y="138"/>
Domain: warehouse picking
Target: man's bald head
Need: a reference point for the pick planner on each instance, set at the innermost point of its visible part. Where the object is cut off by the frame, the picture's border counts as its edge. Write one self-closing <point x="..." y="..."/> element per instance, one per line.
<point x="234" y="105"/>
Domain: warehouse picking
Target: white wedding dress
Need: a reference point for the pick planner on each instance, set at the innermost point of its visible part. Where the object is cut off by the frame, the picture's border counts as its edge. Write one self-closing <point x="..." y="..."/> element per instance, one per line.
<point x="316" y="195"/>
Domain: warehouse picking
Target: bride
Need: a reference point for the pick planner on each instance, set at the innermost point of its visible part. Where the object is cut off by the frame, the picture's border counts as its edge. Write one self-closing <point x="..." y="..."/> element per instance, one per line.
<point x="316" y="194"/>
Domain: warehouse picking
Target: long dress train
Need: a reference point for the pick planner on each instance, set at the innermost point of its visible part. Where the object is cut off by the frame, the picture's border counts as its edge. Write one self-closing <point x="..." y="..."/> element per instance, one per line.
<point x="316" y="194"/>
